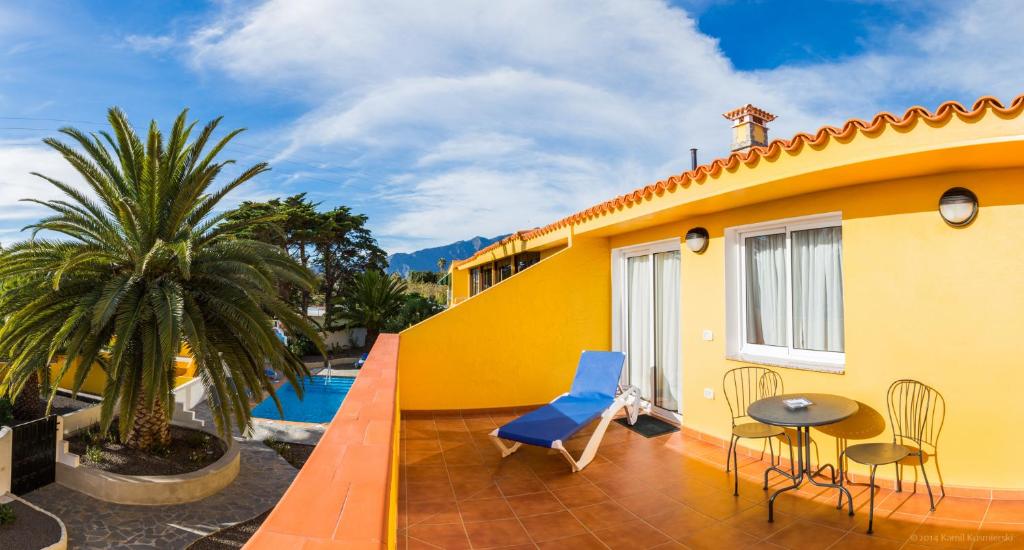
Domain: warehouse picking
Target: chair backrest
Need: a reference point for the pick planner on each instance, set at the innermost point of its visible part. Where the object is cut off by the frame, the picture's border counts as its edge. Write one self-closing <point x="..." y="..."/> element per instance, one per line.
<point x="744" y="385"/>
<point x="916" y="412"/>
<point x="598" y="373"/>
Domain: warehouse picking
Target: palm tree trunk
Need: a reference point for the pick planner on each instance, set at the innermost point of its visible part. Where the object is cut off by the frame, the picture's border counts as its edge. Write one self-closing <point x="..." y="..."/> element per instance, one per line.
<point x="151" y="428"/>
<point x="28" y="405"/>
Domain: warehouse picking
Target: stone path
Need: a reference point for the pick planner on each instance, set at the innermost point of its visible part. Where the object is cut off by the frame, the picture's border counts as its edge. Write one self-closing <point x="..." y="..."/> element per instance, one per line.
<point x="262" y="479"/>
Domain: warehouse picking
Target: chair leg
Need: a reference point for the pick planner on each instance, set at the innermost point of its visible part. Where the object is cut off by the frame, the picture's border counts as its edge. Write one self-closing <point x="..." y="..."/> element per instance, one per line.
<point x="871" y="509"/>
<point x="736" y="472"/>
<point x="728" y="453"/>
<point x="840" y="461"/>
<point x="899" y="478"/>
<point x="792" y="463"/>
<point x="771" y="449"/>
<point x="931" y="499"/>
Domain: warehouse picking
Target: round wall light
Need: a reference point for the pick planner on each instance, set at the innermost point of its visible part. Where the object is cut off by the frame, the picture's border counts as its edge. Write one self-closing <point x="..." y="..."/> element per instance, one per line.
<point x="697" y="239"/>
<point x="958" y="206"/>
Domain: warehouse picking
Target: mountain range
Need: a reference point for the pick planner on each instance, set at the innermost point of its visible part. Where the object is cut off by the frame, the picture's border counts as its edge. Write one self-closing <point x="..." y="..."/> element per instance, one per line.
<point x="426" y="259"/>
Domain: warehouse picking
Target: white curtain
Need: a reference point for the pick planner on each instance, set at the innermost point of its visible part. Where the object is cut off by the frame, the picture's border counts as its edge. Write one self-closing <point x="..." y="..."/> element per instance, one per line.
<point x="638" y="323"/>
<point x="817" y="256"/>
<point x="766" y="289"/>
<point x="666" y="318"/>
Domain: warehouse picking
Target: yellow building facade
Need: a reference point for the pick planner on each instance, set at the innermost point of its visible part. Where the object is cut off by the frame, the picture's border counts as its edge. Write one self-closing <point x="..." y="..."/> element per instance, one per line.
<point x="920" y="299"/>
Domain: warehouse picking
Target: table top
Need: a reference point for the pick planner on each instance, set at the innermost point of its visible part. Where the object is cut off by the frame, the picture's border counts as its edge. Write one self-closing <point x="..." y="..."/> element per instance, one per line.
<point x="825" y="409"/>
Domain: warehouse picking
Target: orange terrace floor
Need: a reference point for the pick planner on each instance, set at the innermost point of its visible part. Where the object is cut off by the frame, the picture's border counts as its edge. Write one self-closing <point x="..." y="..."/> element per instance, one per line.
<point x="666" y="492"/>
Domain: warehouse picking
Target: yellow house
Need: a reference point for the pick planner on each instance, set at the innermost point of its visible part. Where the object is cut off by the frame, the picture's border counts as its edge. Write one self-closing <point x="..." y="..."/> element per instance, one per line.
<point x="96" y="379"/>
<point x="825" y="257"/>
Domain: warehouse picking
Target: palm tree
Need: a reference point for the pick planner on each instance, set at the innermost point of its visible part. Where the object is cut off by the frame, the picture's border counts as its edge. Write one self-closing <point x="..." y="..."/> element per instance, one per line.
<point x="372" y="300"/>
<point x="142" y="264"/>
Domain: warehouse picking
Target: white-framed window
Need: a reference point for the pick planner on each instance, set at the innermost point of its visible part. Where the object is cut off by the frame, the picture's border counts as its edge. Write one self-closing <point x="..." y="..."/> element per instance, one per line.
<point x="784" y="293"/>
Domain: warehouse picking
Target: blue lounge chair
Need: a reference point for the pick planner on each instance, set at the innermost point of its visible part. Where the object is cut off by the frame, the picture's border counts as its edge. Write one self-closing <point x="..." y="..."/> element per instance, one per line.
<point x="593" y="396"/>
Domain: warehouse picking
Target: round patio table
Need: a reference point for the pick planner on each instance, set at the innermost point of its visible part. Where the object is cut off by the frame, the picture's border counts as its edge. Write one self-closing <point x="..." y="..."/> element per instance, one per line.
<point x="824" y="409"/>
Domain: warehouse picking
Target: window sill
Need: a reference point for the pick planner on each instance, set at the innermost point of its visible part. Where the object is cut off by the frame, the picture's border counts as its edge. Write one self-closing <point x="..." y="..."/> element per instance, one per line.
<point x="789" y="363"/>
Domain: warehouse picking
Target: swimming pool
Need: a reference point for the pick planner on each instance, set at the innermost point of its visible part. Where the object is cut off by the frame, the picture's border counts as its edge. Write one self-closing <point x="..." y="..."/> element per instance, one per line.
<point x="320" y="400"/>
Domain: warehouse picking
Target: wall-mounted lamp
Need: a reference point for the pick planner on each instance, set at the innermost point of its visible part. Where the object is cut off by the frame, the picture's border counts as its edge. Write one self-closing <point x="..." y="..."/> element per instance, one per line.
<point x="697" y="239"/>
<point x="958" y="206"/>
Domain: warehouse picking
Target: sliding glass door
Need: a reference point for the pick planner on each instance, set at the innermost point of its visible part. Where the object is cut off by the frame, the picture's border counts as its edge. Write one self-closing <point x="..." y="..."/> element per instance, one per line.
<point x="648" y="321"/>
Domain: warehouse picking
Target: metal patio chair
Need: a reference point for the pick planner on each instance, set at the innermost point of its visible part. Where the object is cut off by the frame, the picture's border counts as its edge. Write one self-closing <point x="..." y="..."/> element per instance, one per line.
<point x="742" y="386"/>
<point x="916" y="414"/>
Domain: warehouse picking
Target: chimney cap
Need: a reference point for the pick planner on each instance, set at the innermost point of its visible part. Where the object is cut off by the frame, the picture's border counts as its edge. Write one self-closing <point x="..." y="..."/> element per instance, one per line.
<point x="749" y="109"/>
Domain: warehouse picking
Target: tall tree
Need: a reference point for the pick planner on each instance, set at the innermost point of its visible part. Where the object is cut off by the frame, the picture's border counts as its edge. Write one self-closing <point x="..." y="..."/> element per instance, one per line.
<point x="334" y="243"/>
<point x="372" y="301"/>
<point x="143" y="267"/>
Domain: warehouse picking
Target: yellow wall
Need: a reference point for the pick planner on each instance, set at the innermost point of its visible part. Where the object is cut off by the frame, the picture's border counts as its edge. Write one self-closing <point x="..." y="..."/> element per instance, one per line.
<point x="515" y="343"/>
<point x="96" y="380"/>
<point x="922" y="300"/>
<point x="94" y="383"/>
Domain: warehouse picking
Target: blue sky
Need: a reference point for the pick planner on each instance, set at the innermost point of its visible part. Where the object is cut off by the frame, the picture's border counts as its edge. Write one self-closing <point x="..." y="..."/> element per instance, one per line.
<point x="446" y="120"/>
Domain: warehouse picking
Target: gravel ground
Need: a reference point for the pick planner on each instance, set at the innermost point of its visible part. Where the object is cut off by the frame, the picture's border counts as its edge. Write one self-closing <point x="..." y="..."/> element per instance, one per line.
<point x="31" y="529"/>
<point x="190" y="450"/>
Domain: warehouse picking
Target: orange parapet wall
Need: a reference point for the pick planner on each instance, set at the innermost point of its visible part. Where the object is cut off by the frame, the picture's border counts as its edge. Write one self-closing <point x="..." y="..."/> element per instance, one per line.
<point x="345" y="496"/>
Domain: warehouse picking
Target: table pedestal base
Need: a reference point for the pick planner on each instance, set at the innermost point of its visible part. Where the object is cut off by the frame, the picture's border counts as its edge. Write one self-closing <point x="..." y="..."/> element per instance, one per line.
<point x="803" y="443"/>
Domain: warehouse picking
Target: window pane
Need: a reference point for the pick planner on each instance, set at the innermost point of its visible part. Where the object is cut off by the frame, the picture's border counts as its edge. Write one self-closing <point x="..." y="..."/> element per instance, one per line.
<point x="765" y="276"/>
<point x="817" y="256"/>
<point x="666" y="330"/>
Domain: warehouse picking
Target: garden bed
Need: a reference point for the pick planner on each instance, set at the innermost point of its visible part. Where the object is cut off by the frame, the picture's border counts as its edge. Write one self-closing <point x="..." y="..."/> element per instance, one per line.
<point x="230" y="537"/>
<point x="31" y="529"/>
<point x="295" y="454"/>
<point x="189" y="451"/>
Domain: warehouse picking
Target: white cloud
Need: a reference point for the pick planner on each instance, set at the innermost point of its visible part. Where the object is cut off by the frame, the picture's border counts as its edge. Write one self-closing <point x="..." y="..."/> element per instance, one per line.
<point x="150" y="43"/>
<point x="491" y="117"/>
<point x="17" y="161"/>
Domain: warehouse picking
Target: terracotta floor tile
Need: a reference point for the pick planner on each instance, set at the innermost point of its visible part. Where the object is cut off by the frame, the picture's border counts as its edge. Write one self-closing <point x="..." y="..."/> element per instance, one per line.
<point x="578" y="542"/>
<point x="552" y="526"/>
<point x="639" y="491"/>
<point x="1006" y="511"/>
<point x="488" y="509"/>
<point x="631" y="534"/>
<point x="580" y="495"/>
<point x="680" y="523"/>
<point x="907" y="503"/>
<point x="719" y="536"/>
<point x="432" y="512"/>
<point x="1000" y="536"/>
<point x="969" y="509"/>
<point x="754" y="522"/>
<point x="476" y="491"/>
<point x="562" y="480"/>
<point x="426" y="473"/>
<point x="603" y="515"/>
<point x="514" y="486"/>
<point x="429" y="491"/>
<point x="859" y="541"/>
<point x="806" y="535"/>
<point x="535" y="504"/>
<point x="442" y="536"/>
<point x="945" y="533"/>
<point x="889" y="525"/>
<point x="649" y="503"/>
<point x="495" y="534"/>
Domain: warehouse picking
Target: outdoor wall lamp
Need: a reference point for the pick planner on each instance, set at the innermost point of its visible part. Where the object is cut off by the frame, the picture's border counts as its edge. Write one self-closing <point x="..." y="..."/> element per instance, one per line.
<point x="958" y="206"/>
<point x="697" y="240"/>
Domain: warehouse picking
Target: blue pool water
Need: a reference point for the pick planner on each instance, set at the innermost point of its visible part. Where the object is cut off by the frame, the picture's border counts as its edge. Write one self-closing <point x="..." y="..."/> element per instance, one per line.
<point x="320" y="400"/>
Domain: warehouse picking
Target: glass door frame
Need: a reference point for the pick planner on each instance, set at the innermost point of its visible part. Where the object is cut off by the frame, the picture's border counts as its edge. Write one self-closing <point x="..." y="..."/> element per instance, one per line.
<point x="620" y="320"/>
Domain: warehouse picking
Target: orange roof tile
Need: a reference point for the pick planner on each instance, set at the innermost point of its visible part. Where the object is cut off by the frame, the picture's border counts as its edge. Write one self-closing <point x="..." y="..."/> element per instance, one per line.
<point x="750" y="157"/>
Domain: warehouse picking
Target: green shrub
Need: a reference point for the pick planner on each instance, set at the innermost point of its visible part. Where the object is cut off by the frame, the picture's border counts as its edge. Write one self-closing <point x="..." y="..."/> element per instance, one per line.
<point x="7" y="514"/>
<point x="94" y="453"/>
